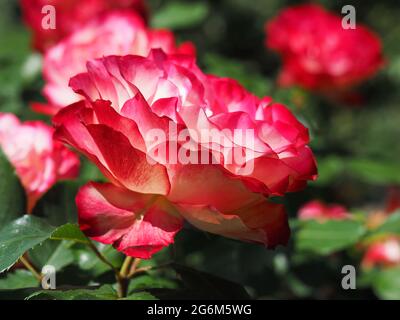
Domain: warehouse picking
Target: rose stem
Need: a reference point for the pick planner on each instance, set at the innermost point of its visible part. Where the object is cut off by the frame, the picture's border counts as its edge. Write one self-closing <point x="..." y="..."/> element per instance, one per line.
<point x="122" y="277"/>
<point x="31" y="268"/>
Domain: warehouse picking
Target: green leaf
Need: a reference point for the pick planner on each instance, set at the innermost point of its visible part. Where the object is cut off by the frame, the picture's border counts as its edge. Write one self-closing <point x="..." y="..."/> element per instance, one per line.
<point x="12" y="194"/>
<point x="18" y="279"/>
<point x="69" y="231"/>
<point x="105" y="292"/>
<point x="61" y="254"/>
<point x="88" y="261"/>
<point x="327" y="237"/>
<point x="61" y="257"/>
<point x="17" y="294"/>
<point x="391" y="224"/>
<point x="375" y="172"/>
<point x="14" y="49"/>
<point x="54" y="253"/>
<point x="178" y="15"/>
<point x="366" y="170"/>
<point x="140" y="296"/>
<point x="386" y="284"/>
<point x="19" y="236"/>
<point x="329" y="169"/>
<point x="367" y="277"/>
<point x="144" y="282"/>
<point x="204" y="285"/>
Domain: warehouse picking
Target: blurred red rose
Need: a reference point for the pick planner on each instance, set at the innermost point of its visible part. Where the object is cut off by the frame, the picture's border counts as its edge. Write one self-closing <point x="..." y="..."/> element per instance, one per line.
<point x="393" y="200"/>
<point x="384" y="253"/>
<point x="114" y="33"/>
<point x="320" y="211"/>
<point x="71" y="15"/>
<point x="126" y="99"/>
<point x="39" y="160"/>
<point x="319" y="54"/>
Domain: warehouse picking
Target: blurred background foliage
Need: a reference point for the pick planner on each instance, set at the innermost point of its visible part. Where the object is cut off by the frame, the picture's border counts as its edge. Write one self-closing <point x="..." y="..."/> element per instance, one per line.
<point x="356" y="146"/>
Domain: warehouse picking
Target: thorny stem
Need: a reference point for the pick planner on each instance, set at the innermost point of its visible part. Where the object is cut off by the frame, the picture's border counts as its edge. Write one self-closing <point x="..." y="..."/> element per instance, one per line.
<point x="31" y="268"/>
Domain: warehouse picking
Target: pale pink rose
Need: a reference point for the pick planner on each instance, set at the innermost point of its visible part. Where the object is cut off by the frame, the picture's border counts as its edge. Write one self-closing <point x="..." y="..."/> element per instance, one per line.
<point x="39" y="160"/>
<point x="71" y="15"/>
<point x="114" y="33"/>
<point x="321" y="211"/>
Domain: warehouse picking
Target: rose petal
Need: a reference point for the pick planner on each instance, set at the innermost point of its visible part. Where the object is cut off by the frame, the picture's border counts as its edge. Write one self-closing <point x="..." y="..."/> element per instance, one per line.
<point x="262" y="222"/>
<point x="136" y="224"/>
